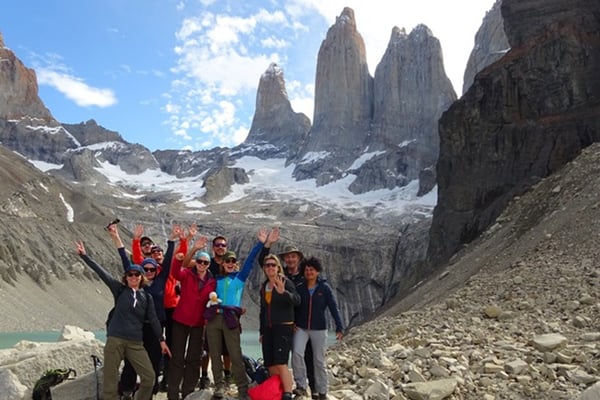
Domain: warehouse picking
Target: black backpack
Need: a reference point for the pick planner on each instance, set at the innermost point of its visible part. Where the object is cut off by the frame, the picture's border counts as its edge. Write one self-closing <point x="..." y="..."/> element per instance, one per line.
<point x="255" y="369"/>
<point x="52" y="377"/>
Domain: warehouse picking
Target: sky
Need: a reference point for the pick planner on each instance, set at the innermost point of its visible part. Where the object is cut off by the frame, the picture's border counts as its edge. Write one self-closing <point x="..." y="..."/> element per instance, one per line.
<point x="183" y="74"/>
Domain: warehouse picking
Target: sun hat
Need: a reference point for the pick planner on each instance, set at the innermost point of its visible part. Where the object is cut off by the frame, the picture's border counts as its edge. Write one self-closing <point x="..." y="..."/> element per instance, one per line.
<point x="290" y="249"/>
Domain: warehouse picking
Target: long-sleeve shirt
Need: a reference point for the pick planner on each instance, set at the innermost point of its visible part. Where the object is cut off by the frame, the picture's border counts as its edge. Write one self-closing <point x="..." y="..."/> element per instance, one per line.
<point x="170" y="296"/>
<point x="230" y="287"/>
<point x="194" y="294"/>
<point x="156" y="288"/>
<point x="132" y="308"/>
<point x="310" y="314"/>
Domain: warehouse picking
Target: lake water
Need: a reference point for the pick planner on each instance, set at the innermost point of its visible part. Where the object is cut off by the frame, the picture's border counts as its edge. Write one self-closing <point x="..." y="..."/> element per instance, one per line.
<point x="249" y="339"/>
<point x="250" y="344"/>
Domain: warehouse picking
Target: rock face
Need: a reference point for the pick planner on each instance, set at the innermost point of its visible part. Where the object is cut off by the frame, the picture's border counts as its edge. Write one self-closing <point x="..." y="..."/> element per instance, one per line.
<point x="26" y="125"/>
<point x="523" y="118"/>
<point x="411" y="93"/>
<point x="491" y="44"/>
<point x="218" y="183"/>
<point x="384" y="130"/>
<point x="343" y="90"/>
<point x="275" y="124"/>
<point x="19" y="89"/>
<point x="89" y="132"/>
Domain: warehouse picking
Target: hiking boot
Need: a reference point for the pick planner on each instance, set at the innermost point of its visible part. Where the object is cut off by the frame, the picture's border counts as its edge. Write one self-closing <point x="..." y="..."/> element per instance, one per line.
<point x="204" y="383"/>
<point x="300" y="392"/>
<point x="219" y="392"/>
<point x="286" y="396"/>
<point x="322" y="396"/>
<point x="127" y="396"/>
<point x="163" y="387"/>
<point x="227" y="378"/>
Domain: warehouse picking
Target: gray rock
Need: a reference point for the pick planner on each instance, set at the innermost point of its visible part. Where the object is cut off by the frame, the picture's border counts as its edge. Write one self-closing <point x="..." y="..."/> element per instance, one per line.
<point x="491" y="44"/>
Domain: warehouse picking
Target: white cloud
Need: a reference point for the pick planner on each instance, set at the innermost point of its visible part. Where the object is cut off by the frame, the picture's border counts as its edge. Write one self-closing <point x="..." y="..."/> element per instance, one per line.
<point x="301" y="97"/>
<point x="220" y="60"/>
<point x="76" y="89"/>
<point x="273" y="42"/>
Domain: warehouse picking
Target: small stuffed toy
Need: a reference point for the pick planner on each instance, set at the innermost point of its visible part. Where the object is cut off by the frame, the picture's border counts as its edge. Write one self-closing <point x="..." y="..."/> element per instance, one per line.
<point x="213" y="300"/>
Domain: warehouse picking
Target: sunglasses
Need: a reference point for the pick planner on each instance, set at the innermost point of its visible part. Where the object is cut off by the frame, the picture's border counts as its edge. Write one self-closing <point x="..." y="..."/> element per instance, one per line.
<point x="134" y="274"/>
<point x="147" y="244"/>
<point x="203" y="262"/>
<point x="220" y="245"/>
<point x="269" y="265"/>
<point x="150" y="269"/>
<point x="157" y="251"/>
<point x="230" y="260"/>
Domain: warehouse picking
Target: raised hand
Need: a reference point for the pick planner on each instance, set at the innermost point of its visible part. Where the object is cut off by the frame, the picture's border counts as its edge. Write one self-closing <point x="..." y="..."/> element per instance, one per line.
<point x="176" y="232"/>
<point x="262" y="235"/>
<point x="272" y="237"/>
<point x="192" y="230"/>
<point x="200" y="243"/>
<point x="113" y="231"/>
<point x="80" y="248"/>
<point x="138" y="231"/>
<point x="278" y="282"/>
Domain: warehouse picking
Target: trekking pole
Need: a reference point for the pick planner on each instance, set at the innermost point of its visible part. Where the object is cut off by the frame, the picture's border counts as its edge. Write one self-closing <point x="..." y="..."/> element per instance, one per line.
<point x="97" y="363"/>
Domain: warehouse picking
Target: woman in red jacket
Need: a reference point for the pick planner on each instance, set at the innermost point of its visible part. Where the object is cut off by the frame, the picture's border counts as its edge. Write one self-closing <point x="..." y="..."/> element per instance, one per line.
<point x="188" y="323"/>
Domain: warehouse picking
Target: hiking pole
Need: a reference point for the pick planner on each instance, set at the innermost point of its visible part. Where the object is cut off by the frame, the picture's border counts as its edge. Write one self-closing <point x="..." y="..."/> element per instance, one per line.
<point x="97" y="363"/>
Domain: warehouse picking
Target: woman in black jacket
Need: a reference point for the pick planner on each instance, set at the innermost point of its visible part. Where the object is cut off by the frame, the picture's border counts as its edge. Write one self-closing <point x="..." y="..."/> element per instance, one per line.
<point x="278" y="297"/>
<point x="124" y="337"/>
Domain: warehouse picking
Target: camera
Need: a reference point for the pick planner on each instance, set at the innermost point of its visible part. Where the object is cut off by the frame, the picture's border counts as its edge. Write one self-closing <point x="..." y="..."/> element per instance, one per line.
<point x="113" y="222"/>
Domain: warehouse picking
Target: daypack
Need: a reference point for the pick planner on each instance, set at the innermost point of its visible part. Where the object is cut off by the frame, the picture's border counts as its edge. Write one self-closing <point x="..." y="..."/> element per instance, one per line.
<point x="52" y="377"/>
<point x="270" y="389"/>
<point x="255" y="369"/>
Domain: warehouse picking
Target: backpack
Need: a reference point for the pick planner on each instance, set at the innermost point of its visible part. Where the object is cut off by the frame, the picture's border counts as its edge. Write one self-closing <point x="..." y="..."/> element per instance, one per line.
<point x="52" y="377"/>
<point x="255" y="369"/>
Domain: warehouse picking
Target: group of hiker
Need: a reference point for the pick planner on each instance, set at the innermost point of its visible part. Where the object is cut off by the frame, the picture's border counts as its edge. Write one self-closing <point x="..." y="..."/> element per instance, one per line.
<point x="176" y="311"/>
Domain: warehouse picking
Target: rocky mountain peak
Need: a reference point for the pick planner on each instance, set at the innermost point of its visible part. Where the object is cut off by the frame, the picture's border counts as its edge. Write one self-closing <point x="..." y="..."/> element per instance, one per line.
<point x="275" y="126"/>
<point x="19" y="90"/>
<point x="343" y="90"/>
<point x="411" y="91"/>
<point x="491" y="44"/>
<point x="90" y="132"/>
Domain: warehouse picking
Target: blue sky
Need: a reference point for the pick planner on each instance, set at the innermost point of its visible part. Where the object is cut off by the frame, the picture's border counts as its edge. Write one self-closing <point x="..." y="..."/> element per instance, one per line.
<point x="175" y="74"/>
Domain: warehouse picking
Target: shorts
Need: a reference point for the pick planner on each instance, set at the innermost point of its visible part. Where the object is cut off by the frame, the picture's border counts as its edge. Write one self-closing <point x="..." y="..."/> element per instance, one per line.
<point x="277" y="344"/>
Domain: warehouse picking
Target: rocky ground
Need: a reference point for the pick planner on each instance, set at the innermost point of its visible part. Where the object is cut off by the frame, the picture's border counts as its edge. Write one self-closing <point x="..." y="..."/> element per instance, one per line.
<point x="515" y="315"/>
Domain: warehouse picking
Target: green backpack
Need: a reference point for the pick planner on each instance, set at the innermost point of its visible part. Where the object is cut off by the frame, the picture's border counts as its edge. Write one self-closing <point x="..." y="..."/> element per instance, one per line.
<point x="52" y="377"/>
